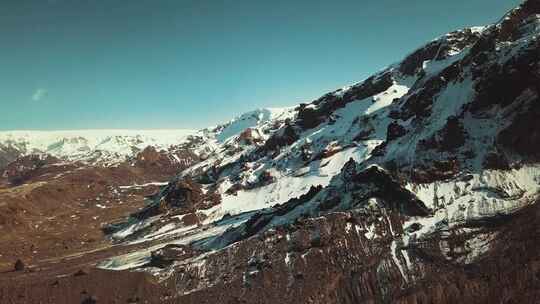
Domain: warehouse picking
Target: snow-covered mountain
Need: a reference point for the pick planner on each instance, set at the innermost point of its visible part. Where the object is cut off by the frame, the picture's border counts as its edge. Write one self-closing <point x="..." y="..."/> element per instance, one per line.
<point x="419" y="184"/>
<point x="92" y="146"/>
<point x="444" y="142"/>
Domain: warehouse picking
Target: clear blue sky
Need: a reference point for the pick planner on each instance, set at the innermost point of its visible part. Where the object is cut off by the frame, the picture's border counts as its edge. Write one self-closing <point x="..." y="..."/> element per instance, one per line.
<point x="75" y="64"/>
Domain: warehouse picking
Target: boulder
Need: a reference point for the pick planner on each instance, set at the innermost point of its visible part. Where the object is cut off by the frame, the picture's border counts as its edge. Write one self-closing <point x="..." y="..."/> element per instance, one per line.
<point x="19" y="265"/>
<point x="395" y="130"/>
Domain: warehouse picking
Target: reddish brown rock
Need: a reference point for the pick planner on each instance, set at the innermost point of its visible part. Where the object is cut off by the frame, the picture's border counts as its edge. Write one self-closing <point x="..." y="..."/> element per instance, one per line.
<point x="249" y="137"/>
<point x="26" y="167"/>
<point x="167" y="162"/>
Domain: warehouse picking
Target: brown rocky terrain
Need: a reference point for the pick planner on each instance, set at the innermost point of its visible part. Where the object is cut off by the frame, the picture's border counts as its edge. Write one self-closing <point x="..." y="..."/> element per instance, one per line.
<point x="52" y="209"/>
<point x="319" y="260"/>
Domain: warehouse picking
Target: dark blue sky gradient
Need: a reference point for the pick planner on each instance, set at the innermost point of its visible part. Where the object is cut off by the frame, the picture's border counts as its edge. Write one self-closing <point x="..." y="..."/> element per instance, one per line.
<point x="74" y="64"/>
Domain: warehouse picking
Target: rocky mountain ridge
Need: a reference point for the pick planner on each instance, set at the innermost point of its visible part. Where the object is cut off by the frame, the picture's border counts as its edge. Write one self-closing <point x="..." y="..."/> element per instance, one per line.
<point x="417" y="185"/>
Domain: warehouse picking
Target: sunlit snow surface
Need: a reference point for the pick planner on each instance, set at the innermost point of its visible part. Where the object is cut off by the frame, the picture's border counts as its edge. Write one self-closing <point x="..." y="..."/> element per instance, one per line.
<point x="248" y="120"/>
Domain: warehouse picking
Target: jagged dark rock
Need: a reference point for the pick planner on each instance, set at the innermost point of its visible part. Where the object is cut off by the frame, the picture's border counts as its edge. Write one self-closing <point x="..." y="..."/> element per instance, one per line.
<point x="167" y="255"/>
<point x="19" y="265"/>
<point x="395" y="130"/>
<point x="90" y="300"/>
<point x="382" y="185"/>
<point x="280" y="139"/>
<point x="496" y="160"/>
<point x="24" y="167"/>
<point x="523" y="135"/>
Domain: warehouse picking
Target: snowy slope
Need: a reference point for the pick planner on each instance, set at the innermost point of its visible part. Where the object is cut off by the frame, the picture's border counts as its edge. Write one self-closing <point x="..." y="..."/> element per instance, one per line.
<point x="247" y="120"/>
<point x="452" y="129"/>
<point x="314" y="156"/>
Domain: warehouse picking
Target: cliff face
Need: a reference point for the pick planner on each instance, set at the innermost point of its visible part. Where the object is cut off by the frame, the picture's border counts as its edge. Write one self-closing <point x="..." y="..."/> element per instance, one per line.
<point x="336" y="258"/>
<point x="418" y="185"/>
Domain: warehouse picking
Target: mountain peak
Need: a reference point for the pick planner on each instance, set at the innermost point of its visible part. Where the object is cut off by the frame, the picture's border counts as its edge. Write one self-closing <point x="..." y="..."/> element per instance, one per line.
<point x="388" y="190"/>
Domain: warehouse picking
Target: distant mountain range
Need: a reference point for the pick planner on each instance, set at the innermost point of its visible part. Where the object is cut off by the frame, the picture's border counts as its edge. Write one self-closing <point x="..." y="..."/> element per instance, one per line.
<point x="94" y="146"/>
